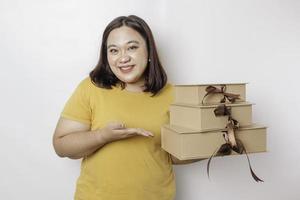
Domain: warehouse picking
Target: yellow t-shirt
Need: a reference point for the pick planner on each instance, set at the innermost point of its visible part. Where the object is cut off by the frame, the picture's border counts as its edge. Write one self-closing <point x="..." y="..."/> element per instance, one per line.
<point x="136" y="168"/>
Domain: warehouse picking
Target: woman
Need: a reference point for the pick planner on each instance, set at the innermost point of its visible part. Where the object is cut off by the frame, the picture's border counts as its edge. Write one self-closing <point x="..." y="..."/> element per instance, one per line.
<point x="113" y="120"/>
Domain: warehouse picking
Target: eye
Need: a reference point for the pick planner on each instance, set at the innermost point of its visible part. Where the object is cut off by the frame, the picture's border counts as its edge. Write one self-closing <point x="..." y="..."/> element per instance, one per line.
<point x="113" y="51"/>
<point x="133" y="47"/>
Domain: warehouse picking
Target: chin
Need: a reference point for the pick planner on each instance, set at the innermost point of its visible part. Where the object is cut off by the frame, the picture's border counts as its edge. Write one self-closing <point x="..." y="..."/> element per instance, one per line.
<point x="128" y="79"/>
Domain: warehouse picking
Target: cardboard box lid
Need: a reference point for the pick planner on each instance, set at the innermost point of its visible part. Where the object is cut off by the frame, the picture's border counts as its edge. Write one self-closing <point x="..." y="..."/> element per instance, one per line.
<point x="184" y="130"/>
<point x="212" y="105"/>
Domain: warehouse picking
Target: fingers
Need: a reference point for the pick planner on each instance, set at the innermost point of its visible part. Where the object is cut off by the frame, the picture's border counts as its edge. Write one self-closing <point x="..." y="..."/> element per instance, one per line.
<point x="128" y="132"/>
<point x="121" y="132"/>
<point x="143" y="132"/>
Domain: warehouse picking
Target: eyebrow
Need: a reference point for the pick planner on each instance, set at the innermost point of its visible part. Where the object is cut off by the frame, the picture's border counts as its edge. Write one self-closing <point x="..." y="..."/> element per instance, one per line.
<point x="129" y="42"/>
<point x="133" y="41"/>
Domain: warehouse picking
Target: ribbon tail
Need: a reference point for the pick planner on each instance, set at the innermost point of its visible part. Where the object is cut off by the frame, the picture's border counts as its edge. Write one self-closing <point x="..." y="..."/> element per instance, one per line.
<point x="209" y="160"/>
<point x="254" y="176"/>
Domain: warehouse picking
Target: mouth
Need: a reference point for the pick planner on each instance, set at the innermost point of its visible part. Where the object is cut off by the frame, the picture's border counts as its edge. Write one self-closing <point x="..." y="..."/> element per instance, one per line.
<point x="126" y="69"/>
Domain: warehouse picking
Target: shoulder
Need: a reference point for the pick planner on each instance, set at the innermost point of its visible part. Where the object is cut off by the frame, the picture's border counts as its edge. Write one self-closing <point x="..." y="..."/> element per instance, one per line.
<point x="90" y="89"/>
<point x="86" y="82"/>
<point x="168" y="88"/>
<point x="87" y="85"/>
<point x="167" y="92"/>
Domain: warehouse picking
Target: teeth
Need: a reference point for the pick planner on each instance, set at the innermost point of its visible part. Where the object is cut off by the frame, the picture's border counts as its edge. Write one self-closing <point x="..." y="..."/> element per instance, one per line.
<point x="126" y="67"/>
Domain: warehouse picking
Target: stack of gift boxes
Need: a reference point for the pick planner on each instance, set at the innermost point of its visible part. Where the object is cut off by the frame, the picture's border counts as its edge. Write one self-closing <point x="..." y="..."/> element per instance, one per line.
<point x="195" y="132"/>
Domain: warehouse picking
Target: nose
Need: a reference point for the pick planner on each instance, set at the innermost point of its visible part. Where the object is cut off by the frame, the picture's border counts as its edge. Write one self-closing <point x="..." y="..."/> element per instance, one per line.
<point x="124" y="58"/>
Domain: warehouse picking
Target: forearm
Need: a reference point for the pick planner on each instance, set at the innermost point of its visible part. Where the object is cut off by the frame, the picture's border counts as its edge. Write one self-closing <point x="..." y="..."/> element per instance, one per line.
<point x="176" y="161"/>
<point x="79" y="144"/>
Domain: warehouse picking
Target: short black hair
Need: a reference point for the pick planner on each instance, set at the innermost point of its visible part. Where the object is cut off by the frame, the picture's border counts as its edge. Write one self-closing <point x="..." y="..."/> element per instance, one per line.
<point x="155" y="75"/>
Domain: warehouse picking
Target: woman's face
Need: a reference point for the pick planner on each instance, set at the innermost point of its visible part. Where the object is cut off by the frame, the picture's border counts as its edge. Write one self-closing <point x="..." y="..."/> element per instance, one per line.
<point x="127" y="54"/>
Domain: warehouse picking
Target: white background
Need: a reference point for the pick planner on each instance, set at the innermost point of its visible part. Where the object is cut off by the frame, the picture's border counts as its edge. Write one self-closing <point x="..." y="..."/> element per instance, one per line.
<point x="47" y="47"/>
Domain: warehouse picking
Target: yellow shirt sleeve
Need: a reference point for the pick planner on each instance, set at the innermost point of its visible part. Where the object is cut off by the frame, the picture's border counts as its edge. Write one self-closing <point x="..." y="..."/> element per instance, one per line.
<point x="78" y="106"/>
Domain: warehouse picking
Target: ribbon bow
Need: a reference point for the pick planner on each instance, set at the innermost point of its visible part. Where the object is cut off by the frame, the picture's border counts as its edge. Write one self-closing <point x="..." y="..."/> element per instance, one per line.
<point x="213" y="90"/>
<point x="232" y="143"/>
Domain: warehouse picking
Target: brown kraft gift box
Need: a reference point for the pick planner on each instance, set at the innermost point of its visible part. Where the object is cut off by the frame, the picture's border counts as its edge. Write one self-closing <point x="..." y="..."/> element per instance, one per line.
<point x="202" y="118"/>
<point x="188" y="144"/>
<point x="194" y="94"/>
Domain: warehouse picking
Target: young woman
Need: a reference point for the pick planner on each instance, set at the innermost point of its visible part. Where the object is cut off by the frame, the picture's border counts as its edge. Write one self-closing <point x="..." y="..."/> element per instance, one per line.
<point x="113" y="120"/>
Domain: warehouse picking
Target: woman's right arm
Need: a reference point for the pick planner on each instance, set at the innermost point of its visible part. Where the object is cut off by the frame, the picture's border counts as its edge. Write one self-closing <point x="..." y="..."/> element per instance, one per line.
<point x="75" y="140"/>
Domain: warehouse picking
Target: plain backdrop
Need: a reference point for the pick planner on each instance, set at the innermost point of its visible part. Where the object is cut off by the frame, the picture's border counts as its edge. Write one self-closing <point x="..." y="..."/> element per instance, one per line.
<point x="47" y="47"/>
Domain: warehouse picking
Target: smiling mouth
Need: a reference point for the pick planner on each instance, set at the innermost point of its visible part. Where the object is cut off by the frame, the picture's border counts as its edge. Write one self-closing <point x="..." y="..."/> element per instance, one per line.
<point x="126" y="69"/>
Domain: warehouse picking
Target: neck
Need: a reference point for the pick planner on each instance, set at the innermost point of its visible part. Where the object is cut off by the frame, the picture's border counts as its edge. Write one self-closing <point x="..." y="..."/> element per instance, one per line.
<point x="135" y="87"/>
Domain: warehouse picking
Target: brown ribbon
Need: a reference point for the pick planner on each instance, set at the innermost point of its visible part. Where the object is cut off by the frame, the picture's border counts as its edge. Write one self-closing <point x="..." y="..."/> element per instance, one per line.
<point x="232" y="143"/>
<point x="222" y="110"/>
<point x="213" y="90"/>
